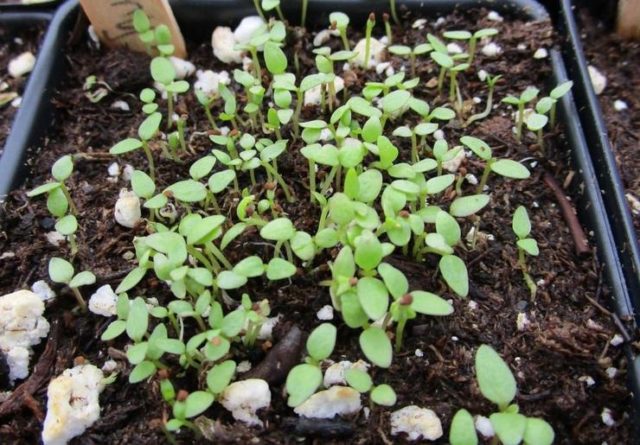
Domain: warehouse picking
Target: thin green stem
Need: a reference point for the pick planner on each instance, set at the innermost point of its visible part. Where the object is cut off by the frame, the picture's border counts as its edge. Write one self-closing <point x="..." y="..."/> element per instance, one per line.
<point x="152" y="167"/>
<point x="218" y="254"/>
<point x="394" y="14"/>
<point x="485" y="177"/>
<point x="525" y="272"/>
<point x="169" y="110"/>
<point x="472" y="49"/>
<point x="520" y="122"/>
<point x="280" y="14"/>
<point x="207" y="112"/>
<point x="72" y="205"/>
<point x="303" y="20"/>
<point x="312" y="178"/>
<point x="79" y="299"/>
<point x="285" y="188"/>
<point x="400" y="332"/>
<point x="256" y="3"/>
<point x="387" y="29"/>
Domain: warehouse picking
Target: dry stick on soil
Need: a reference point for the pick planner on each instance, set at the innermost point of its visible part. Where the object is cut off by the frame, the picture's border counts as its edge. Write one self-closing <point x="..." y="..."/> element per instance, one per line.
<point x="23" y="395"/>
<point x="280" y="359"/>
<point x="577" y="233"/>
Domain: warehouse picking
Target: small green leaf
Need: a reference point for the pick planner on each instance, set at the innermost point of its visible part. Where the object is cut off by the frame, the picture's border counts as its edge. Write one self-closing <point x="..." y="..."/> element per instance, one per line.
<point x="57" y="202"/>
<point x="114" y="330"/>
<point x="302" y="382"/>
<point x="230" y="280"/>
<point x="303" y="246"/>
<point x="233" y="323"/>
<point x="125" y="146"/>
<point x="67" y="225"/>
<point x="538" y="432"/>
<point x="561" y="90"/>
<point x="455" y="274"/>
<point x="249" y="267"/>
<point x="162" y="70"/>
<point x="463" y="430"/>
<point x="376" y="346"/>
<point x="394" y="279"/>
<point x="275" y="58"/>
<point x="220" y="181"/>
<point x="430" y="304"/>
<point x="321" y="341"/>
<point x="509" y="427"/>
<point x="149" y="127"/>
<point x="188" y="191"/>
<point x="142" y="371"/>
<point x="368" y="252"/>
<point x="197" y="402"/>
<point x="279" y="269"/>
<point x="62" y="168"/>
<point x="529" y="245"/>
<point x="219" y="377"/>
<point x="494" y="377"/>
<point x="352" y="312"/>
<point x="131" y="280"/>
<point x="520" y="223"/>
<point x="373" y="297"/>
<point x="358" y="380"/>
<point x="60" y="270"/>
<point x="216" y="348"/>
<point x="138" y="320"/>
<point x="202" y="167"/>
<point x="142" y="184"/>
<point x="383" y="395"/>
<point x="478" y="146"/>
<point x="510" y="169"/>
<point x="468" y="205"/>
<point x="279" y="229"/>
<point x="84" y="278"/>
<point x="394" y="101"/>
<point x="536" y="121"/>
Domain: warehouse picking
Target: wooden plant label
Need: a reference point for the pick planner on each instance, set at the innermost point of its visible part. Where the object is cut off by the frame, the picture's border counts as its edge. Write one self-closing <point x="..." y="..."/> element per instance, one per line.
<point x="112" y="22"/>
<point x="629" y="19"/>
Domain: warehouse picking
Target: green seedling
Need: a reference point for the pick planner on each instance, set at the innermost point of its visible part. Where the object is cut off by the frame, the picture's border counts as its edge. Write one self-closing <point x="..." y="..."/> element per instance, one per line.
<point x="340" y="21"/>
<point x="440" y="55"/>
<point x="411" y="53"/>
<point x="521" y="226"/>
<point x="146" y="132"/>
<point x="163" y="72"/>
<point x="555" y="95"/>
<point x="503" y="167"/>
<point x="58" y="196"/>
<point x="95" y="90"/>
<point x="498" y="385"/>
<point x="536" y="122"/>
<point x="371" y="22"/>
<point x="303" y="20"/>
<point x="303" y="380"/>
<point x="142" y="25"/>
<point x="527" y="96"/>
<point x="491" y="84"/>
<point x="62" y="271"/>
<point x="394" y="14"/>
<point x="423" y="129"/>
<point x="269" y="5"/>
<point x="67" y="226"/>
<point x="387" y="28"/>
<point x="472" y="39"/>
<point x="361" y="381"/>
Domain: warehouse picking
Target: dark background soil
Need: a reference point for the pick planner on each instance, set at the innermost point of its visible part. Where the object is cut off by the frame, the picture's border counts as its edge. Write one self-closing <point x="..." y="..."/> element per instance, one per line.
<point x="619" y="61"/>
<point x="30" y="40"/>
<point x="568" y="337"/>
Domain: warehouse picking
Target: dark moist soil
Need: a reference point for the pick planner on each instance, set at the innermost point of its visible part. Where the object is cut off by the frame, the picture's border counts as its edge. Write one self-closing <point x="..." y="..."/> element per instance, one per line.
<point x="14" y="42"/>
<point x="618" y="60"/>
<point x="570" y="326"/>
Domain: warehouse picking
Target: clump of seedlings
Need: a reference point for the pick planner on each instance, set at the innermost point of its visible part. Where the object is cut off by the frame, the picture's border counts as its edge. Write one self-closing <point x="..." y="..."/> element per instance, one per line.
<point x="497" y="384"/>
<point x="380" y="188"/>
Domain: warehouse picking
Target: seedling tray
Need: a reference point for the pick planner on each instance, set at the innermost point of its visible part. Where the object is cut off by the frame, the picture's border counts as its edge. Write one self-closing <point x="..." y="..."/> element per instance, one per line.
<point x="17" y="20"/>
<point x="196" y="21"/>
<point x="595" y="129"/>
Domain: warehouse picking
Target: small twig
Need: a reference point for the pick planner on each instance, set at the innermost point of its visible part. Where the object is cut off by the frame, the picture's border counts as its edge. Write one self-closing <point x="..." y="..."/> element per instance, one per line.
<point x="621" y="328"/>
<point x="598" y="305"/>
<point x="577" y="233"/>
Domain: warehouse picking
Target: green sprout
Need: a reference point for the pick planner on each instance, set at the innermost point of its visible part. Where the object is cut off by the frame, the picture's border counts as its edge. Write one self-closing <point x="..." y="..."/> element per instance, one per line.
<point x="394" y="14"/>
<point x="387" y="28"/>
<point x="340" y="21"/>
<point x="536" y="122"/>
<point x="411" y="53"/>
<point x="498" y="385"/>
<point x="146" y="131"/>
<point x="440" y="55"/>
<point x="371" y="22"/>
<point x="62" y="271"/>
<point x="526" y="246"/>
<point x="555" y="95"/>
<point x="361" y="381"/>
<point x="491" y="84"/>
<point x="471" y="38"/>
<point x="527" y="96"/>
<point x="423" y="129"/>
<point x="503" y="167"/>
<point x="58" y="196"/>
<point x="67" y="226"/>
<point x="303" y="19"/>
<point x="303" y="380"/>
<point x="142" y="25"/>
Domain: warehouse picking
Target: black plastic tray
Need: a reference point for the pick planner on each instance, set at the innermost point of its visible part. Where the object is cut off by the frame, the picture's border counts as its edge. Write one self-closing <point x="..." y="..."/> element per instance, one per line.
<point x="608" y="175"/>
<point x="197" y="14"/>
<point x="16" y="20"/>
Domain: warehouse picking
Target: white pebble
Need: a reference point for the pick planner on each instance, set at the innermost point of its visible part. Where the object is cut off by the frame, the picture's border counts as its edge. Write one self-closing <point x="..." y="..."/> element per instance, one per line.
<point x="382" y="66"/>
<point x="337" y="400"/>
<point x="312" y="96"/>
<point x="127" y="210"/>
<point x="334" y="375"/>
<point x="325" y="313"/>
<point x="617" y="340"/>
<point x="612" y="372"/>
<point x="607" y="417"/>
<point x="22" y="64"/>
<point x="247" y="63"/>
<point x="416" y="422"/>
<point x="15" y="103"/>
<point x="441" y="21"/>
<point x="522" y="321"/>
<point x="109" y="366"/>
<point x="209" y="81"/>
<point x="587" y="379"/>
<point x="247" y="28"/>
<point x="127" y="172"/>
<point x="324" y="36"/>
<point x="521" y="47"/>
<point x="598" y="80"/>
<point x="494" y="16"/>
<point x="55" y="238"/>
<point x="541" y="53"/>
<point x="419" y="24"/>
<point x="384" y="40"/>
<point x="223" y="42"/>
<point x="454" y="48"/>
<point x="472" y="305"/>
<point x="471" y="178"/>
<point x="634" y="203"/>
<point x="183" y="68"/>
<point x="120" y="105"/>
<point x="477" y="100"/>
<point x="482" y="75"/>
<point x="243" y="366"/>
<point x="484" y="427"/>
<point x="438" y="134"/>
<point x="73" y="404"/>
<point x="594" y="325"/>
<point x="42" y="289"/>
<point x="266" y="330"/>
<point x="419" y="353"/>
<point x="346" y="66"/>
<point x="103" y="301"/>
<point x="244" y="398"/>
<point x="491" y="49"/>
<point x="390" y="71"/>
<point x="93" y="36"/>
<point x="376" y="52"/>
<point x="21" y="326"/>
<point x="114" y="169"/>
<point x="620" y="105"/>
<point x="453" y="164"/>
